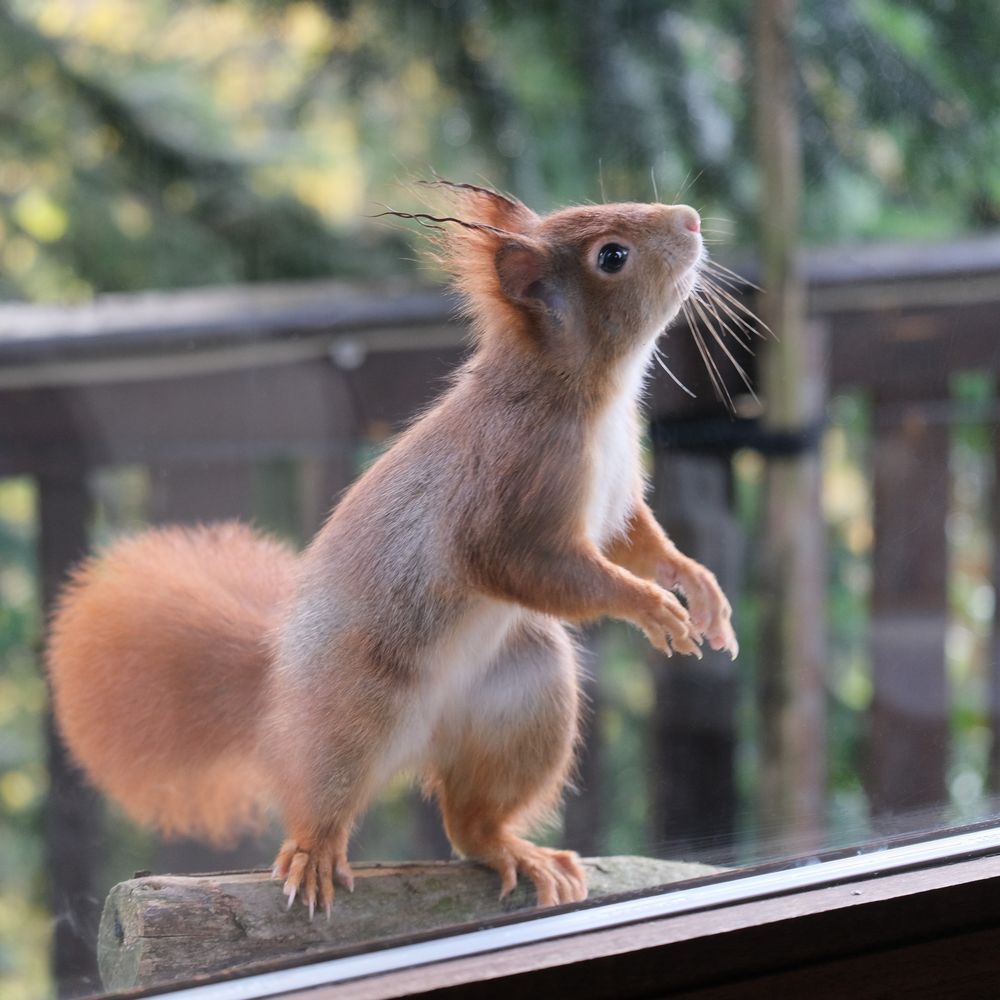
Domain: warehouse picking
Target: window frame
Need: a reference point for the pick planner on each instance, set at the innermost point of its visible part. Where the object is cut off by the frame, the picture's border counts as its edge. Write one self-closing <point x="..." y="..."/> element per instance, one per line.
<point x="921" y="915"/>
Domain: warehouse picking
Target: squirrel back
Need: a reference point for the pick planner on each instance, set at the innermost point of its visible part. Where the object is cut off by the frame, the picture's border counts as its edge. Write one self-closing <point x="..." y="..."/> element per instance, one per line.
<point x="191" y="610"/>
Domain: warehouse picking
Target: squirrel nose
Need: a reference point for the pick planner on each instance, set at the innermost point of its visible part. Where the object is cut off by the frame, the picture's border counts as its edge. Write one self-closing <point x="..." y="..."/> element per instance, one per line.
<point x="687" y="218"/>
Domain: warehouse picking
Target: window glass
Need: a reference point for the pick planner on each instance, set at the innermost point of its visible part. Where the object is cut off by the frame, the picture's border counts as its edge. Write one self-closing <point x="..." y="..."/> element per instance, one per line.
<point x="213" y="309"/>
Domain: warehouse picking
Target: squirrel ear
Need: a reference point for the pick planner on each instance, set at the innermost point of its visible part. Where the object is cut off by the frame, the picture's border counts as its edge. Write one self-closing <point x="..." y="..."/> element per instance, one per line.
<point x="526" y="276"/>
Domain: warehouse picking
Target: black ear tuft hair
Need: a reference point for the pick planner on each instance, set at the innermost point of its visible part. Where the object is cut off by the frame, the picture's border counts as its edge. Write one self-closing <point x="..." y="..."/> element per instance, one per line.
<point x="466" y="239"/>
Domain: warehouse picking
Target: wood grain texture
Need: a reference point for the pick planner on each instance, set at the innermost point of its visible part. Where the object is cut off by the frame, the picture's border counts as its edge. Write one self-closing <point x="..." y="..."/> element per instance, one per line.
<point x="166" y="928"/>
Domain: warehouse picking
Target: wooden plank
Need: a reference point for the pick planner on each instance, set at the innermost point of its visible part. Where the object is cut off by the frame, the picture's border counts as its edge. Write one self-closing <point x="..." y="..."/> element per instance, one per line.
<point x="195" y="492"/>
<point x="252" y="413"/>
<point x="909" y="719"/>
<point x="906" y="347"/>
<point x="918" y="262"/>
<point x="170" y="322"/>
<point x="161" y="929"/>
<point x="244" y="414"/>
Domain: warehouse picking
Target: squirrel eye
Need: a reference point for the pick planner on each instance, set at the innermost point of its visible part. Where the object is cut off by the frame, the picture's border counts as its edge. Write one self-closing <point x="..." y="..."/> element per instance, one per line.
<point x="611" y="257"/>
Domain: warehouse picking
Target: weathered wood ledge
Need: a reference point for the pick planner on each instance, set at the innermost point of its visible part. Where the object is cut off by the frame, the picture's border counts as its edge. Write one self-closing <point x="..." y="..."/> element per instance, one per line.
<point x="163" y="928"/>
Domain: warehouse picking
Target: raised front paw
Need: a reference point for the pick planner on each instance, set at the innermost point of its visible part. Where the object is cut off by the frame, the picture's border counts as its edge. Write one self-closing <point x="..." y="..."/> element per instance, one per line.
<point x="711" y="613"/>
<point x="309" y="871"/>
<point x="668" y="625"/>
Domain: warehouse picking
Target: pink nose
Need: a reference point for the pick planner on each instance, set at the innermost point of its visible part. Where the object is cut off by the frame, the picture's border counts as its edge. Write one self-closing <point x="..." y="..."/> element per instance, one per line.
<point x="688" y="218"/>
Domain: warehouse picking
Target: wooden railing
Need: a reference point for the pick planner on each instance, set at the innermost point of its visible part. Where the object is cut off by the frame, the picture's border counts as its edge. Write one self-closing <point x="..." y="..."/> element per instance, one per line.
<point x="201" y="388"/>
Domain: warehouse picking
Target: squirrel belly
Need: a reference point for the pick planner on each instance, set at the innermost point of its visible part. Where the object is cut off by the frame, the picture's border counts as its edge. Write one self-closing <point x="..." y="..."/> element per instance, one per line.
<point x="158" y="659"/>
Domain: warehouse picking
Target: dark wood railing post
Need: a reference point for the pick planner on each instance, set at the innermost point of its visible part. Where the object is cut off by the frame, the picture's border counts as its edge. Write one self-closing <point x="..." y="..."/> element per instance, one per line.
<point x="909" y="720"/>
<point x="694" y="721"/>
<point x="993" y="668"/>
<point x="74" y="819"/>
<point x="584" y="818"/>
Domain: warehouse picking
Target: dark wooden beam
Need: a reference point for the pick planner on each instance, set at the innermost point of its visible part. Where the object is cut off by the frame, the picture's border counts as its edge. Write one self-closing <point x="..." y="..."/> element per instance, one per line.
<point x="693" y="738"/>
<point x="906" y="346"/>
<point x="909" y="717"/>
<point x="74" y="815"/>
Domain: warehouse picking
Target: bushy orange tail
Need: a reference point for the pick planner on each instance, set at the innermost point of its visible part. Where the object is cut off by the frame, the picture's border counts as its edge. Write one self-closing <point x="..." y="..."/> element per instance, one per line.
<point x="158" y="656"/>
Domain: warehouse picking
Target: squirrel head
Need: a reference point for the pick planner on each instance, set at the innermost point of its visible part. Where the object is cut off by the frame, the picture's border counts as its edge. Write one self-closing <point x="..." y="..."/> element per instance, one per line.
<point x="582" y="287"/>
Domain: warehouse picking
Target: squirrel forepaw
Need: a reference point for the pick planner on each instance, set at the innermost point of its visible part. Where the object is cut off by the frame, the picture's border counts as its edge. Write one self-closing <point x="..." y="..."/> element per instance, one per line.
<point x="668" y="625"/>
<point x="710" y="611"/>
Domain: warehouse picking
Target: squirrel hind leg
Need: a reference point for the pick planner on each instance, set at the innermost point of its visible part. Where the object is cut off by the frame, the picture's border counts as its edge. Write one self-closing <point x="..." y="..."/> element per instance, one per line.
<point x="507" y="760"/>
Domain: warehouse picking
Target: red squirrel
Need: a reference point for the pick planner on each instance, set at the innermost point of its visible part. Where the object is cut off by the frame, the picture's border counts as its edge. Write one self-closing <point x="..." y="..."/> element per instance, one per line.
<point x="201" y="673"/>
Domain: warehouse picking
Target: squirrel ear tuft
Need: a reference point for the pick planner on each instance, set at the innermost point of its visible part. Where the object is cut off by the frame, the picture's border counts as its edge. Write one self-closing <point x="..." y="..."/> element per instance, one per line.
<point x="485" y="205"/>
<point x="525" y="275"/>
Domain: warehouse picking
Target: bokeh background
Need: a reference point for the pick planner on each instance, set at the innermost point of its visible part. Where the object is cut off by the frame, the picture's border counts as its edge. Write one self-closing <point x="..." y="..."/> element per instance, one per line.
<point x="169" y="145"/>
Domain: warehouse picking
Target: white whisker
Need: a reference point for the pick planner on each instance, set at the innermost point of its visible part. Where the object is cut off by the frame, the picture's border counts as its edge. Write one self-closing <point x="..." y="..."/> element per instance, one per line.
<point x="749" y="313"/>
<point x="737" y="334"/>
<point x="663" y="365"/>
<point x="718" y="384"/>
<point x="699" y="308"/>
<point x="683" y="185"/>
<point x="739" y="277"/>
<point x="718" y="276"/>
<point x="712" y="292"/>
<point x="687" y="184"/>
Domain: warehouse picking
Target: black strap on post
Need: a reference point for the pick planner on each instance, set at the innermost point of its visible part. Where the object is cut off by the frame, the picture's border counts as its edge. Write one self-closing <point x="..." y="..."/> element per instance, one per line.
<point x="725" y="435"/>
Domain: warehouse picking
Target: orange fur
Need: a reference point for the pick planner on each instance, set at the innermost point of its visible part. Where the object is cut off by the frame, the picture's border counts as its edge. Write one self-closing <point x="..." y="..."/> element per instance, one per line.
<point x="157" y="656"/>
<point x="423" y="629"/>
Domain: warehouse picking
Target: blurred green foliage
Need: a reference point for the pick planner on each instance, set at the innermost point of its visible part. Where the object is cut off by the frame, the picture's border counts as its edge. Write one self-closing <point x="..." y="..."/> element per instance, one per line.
<point x="191" y="142"/>
<point x="23" y="919"/>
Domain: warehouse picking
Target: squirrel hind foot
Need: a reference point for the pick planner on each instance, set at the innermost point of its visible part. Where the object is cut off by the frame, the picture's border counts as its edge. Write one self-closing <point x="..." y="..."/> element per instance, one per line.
<point x="310" y="871"/>
<point x="558" y="876"/>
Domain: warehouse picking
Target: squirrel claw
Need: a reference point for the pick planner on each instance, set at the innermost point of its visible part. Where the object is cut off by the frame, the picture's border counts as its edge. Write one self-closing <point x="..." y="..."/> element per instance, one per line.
<point x="707" y="605"/>
<point x="310" y="874"/>
<point x="344" y="875"/>
<point x="558" y="876"/>
<point x="667" y="624"/>
<point x="508" y="881"/>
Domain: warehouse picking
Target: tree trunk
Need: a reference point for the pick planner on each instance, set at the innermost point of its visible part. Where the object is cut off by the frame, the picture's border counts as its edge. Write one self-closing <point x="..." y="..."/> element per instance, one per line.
<point x="792" y="645"/>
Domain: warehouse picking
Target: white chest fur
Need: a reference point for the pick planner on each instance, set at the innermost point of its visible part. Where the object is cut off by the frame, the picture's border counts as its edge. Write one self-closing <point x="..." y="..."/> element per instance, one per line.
<point x="448" y="670"/>
<point x="614" y="457"/>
